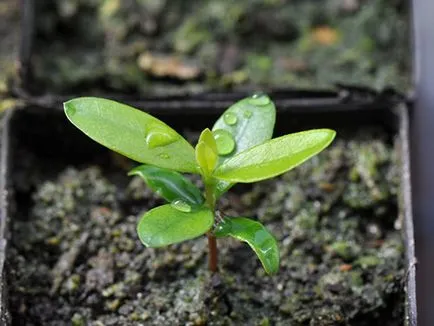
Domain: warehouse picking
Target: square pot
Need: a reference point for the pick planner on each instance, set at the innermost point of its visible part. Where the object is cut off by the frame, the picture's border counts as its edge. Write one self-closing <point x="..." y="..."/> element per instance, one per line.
<point x="51" y="144"/>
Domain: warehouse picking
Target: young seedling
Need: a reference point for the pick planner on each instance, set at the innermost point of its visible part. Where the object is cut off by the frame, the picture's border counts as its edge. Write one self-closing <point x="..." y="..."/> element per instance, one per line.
<point x="239" y="148"/>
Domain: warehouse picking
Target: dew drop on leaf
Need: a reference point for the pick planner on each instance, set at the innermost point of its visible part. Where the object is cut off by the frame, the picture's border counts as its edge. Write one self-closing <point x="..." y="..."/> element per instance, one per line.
<point x="225" y="142"/>
<point x="230" y="118"/>
<point x="247" y="114"/>
<point x="159" y="192"/>
<point x="223" y="228"/>
<point x="181" y="206"/>
<point x="157" y="136"/>
<point x="164" y="155"/>
<point x="259" y="99"/>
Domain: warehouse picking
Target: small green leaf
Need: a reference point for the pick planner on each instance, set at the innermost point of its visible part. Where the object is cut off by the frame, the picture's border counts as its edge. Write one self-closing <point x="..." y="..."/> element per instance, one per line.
<point x="257" y="237"/>
<point x="166" y="225"/>
<point x="169" y="184"/>
<point x="275" y="156"/>
<point x="132" y="133"/>
<point x="250" y="121"/>
<point x="207" y="137"/>
<point x="206" y="152"/>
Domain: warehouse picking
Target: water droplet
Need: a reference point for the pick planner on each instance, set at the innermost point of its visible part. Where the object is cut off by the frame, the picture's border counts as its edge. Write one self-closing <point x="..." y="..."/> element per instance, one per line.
<point x="224" y="228"/>
<point x="259" y="99"/>
<point x="225" y="142"/>
<point x="181" y="206"/>
<point x="247" y="114"/>
<point x="230" y="118"/>
<point x="159" y="136"/>
<point x="164" y="155"/>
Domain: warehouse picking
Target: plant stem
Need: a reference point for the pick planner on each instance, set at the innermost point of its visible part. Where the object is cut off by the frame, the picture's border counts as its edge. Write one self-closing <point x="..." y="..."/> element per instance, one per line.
<point x="213" y="252"/>
<point x="212" y="242"/>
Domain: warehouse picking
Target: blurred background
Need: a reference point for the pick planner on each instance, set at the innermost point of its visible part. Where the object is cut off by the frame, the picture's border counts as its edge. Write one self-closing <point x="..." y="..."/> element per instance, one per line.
<point x="176" y="47"/>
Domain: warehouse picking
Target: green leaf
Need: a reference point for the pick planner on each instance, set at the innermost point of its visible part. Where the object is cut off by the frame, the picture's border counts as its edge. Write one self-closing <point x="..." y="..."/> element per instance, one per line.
<point x="166" y="225"/>
<point x="169" y="184"/>
<point x="206" y="152"/>
<point x="275" y="156"/>
<point x="222" y="187"/>
<point x="132" y="133"/>
<point x="257" y="237"/>
<point x="250" y="122"/>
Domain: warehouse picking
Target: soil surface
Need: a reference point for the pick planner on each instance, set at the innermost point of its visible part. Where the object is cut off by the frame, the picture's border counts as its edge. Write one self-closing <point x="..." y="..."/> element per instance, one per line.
<point x="75" y="258"/>
<point x="172" y="47"/>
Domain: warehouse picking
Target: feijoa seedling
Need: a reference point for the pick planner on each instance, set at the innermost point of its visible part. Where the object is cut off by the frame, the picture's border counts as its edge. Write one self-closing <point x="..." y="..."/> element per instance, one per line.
<point x="239" y="148"/>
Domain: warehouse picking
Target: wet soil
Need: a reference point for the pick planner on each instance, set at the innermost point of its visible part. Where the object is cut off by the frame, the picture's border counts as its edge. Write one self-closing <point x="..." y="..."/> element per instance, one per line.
<point x="75" y="258"/>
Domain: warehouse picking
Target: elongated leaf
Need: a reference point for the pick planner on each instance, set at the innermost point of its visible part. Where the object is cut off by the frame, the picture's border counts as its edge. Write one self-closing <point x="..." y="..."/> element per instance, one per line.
<point x="256" y="235"/>
<point x="166" y="225"/>
<point x="250" y="122"/>
<point x="275" y="156"/>
<point x="132" y="133"/>
<point x="169" y="184"/>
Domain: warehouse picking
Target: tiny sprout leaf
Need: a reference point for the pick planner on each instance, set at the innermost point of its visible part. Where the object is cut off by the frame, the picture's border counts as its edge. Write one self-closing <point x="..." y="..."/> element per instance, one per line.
<point x="257" y="237"/>
<point x="207" y="137"/>
<point x="275" y="156"/>
<point x="132" y="133"/>
<point x="206" y="152"/>
<point x="166" y="225"/>
<point x="169" y="184"/>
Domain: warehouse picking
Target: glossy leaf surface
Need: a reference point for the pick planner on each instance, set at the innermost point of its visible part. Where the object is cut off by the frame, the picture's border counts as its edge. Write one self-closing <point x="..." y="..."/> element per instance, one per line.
<point x="206" y="152"/>
<point x="167" y="224"/>
<point x="132" y="133"/>
<point x="250" y="121"/>
<point x="169" y="184"/>
<point x="275" y="156"/>
<point x="256" y="235"/>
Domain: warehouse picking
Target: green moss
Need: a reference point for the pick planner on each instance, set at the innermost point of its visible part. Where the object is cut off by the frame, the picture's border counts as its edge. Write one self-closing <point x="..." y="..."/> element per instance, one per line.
<point x="264" y="322"/>
<point x="115" y="290"/>
<point x="368" y="261"/>
<point x="345" y="249"/>
<point x="72" y="284"/>
<point x="78" y="320"/>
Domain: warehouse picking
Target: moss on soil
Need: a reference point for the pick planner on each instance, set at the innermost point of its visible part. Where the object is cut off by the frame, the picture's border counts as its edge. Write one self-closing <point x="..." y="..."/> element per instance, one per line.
<point x="171" y="47"/>
<point x="75" y="258"/>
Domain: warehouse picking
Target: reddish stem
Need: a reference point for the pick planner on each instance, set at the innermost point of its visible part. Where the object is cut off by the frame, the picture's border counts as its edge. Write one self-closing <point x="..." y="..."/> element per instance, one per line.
<point x="212" y="256"/>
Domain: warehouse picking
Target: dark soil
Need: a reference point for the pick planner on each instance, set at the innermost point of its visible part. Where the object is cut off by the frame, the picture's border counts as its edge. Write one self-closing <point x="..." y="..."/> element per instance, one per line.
<point x="172" y="47"/>
<point x="75" y="257"/>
